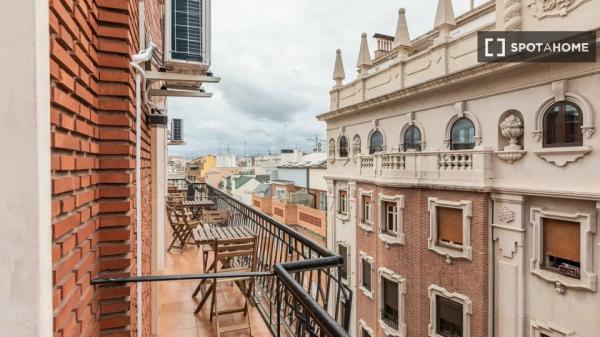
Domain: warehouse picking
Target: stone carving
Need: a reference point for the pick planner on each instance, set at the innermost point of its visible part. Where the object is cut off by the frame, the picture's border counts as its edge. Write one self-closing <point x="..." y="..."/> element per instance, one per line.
<point x="511" y="128"/>
<point x="331" y="149"/>
<point x="356" y="145"/>
<point x="552" y="8"/>
<point x="587" y="131"/>
<point x="506" y="215"/>
<point x="512" y="15"/>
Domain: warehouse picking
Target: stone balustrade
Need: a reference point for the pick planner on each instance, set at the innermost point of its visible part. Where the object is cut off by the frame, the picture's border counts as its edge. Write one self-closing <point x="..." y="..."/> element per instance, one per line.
<point x="468" y="168"/>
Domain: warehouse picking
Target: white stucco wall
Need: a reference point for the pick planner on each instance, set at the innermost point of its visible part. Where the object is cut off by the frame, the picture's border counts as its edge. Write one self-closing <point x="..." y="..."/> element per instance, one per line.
<point x="25" y="206"/>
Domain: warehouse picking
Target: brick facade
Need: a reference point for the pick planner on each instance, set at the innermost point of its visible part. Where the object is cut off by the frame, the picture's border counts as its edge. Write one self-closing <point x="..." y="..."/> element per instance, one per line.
<point x="93" y="162"/>
<point x="421" y="267"/>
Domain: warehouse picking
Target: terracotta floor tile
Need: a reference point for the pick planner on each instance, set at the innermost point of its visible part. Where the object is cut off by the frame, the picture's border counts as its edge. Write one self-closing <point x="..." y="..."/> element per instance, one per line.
<point x="177" y="306"/>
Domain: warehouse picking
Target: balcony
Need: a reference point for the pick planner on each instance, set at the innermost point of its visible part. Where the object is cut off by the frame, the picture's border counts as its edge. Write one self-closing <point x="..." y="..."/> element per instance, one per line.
<point x="296" y="292"/>
<point x="310" y="221"/>
<point x="468" y="168"/>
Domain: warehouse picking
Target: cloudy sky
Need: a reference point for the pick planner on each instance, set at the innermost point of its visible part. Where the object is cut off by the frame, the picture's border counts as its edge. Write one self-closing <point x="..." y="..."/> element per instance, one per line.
<point x="275" y="58"/>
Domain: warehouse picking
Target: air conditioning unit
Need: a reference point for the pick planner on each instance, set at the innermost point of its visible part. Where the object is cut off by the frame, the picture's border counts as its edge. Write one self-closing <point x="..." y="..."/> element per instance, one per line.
<point x="176" y="130"/>
<point x="187" y="33"/>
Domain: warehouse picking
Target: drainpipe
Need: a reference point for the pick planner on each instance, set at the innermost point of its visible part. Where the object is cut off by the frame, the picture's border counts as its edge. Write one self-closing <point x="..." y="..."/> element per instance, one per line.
<point x="142" y="56"/>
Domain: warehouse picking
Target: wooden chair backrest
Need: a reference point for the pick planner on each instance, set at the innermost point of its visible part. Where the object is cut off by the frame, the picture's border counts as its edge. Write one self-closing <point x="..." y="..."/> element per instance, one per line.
<point x="175" y="214"/>
<point x="242" y="249"/>
<point x="171" y="189"/>
<point x="220" y="217"/>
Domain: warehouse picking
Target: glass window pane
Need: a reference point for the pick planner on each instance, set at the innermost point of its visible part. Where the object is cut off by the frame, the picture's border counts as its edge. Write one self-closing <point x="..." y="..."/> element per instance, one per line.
<point x="462" y="135"/>
<point x="412" y="139"/>
<point x="376" y="143"/>
<point x="449" y="317"/>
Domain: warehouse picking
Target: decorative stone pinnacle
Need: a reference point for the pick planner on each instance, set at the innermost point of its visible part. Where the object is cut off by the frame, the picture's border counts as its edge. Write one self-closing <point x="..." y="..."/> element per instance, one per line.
<point x="402" y="37"/>
<point x="338" y="70"/>
<point x="364" y="56"/>
<point x="445" y="14"/>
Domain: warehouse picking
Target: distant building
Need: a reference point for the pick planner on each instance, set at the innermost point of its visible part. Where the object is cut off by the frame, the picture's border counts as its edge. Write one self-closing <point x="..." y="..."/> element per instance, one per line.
<point x="226" y="160"/>
<point x="198" y="168"/>
<point x="297" y="196"/>
<point x="241" y="187"/>
<point x="464" y="196"/>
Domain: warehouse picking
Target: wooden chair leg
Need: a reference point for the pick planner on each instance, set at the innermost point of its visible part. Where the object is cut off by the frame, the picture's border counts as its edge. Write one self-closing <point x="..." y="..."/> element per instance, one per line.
<point x="205" y="297"/>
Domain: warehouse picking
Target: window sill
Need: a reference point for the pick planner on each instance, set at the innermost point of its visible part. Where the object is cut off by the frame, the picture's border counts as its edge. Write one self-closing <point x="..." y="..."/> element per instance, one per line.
<point x="366" y="227"/>
<point x="561" y="156"/>
<point x="389" y="331"/>
<point x="343" y="216"/>
<point x="586" y="281"/>
<point x="464" y="252"/>
<point x="366" y="292"/>
<point x="392" y="240"/>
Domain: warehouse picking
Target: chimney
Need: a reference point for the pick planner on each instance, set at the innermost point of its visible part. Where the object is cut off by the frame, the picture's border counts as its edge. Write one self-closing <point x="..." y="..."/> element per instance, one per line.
<point x="338" y="70"/>
<point x="384" y="44"/>
<point x="364" y="56"/>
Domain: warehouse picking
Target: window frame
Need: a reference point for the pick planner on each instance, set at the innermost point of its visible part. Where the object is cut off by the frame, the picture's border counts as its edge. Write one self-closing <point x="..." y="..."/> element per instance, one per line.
<point x="587" y="221"/>
<point x="362" y="326"/>
<point x="433" y="292"/>
<point x="367" y="226"/>
<point x="371" y="135"/>
<point x="538" y="328"/>
<point x="473" y="142"/>
<point x="401" y="282"/>
<point x="369" y="259"/>
<point x="418" y="147"/>
<point x="466" y="251"/>
<point x="342" y="202"/>
<point x="562" y="112"/>
<point x="341" y="154"/>
<point x="347" y="261"/>
<point x="384" y="235"/>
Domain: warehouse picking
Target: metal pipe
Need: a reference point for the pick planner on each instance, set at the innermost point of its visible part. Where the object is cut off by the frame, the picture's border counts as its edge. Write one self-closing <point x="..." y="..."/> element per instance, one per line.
<point x="164" y="278"/>
<point x="142" y="56"/>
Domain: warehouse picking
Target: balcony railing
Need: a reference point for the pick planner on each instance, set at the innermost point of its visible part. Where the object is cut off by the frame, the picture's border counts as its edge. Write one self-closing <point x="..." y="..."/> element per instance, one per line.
<point x="452" y="168"/>
<point x="298" y="290"/>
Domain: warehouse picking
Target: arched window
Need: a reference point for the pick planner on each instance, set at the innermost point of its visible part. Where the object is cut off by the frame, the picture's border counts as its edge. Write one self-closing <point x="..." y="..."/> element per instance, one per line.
<point x="463" y="132"/>
<point x="562" y="125"/>
<point x="343" y="146"/>
<point x="376" y="142"/>
<point x="412" y="139"/>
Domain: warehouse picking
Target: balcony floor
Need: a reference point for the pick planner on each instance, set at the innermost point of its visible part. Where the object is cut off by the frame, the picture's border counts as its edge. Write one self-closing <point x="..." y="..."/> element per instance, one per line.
<point x="176" y="316"/>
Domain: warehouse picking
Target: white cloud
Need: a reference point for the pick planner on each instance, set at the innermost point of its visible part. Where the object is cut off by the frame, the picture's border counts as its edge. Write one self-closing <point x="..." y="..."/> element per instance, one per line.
<point x="275" y="58"/>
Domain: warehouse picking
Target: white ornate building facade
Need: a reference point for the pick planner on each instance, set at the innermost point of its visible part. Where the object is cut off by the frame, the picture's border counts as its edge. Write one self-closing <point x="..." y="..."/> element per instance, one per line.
<point x="465" y="196"/>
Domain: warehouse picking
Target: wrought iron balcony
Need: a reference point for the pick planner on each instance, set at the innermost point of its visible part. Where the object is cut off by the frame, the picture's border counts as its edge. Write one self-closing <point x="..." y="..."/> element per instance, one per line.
<point x="297" y="287"/>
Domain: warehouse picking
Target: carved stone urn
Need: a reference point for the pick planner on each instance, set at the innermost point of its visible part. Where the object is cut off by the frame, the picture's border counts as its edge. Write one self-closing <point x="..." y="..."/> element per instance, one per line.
<point x="511" y="128"/>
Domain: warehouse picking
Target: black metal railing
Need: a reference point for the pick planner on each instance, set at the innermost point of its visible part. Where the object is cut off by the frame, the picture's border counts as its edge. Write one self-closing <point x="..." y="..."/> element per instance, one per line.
<point x="298" y="289"/>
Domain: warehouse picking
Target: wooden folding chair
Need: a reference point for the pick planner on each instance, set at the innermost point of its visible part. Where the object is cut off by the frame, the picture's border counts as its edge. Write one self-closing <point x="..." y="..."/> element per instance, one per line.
<point x="181" y="225"/>
<point x="216" y="217"/>
<point x="212" y="217"/>
<point x="231" y="255"/>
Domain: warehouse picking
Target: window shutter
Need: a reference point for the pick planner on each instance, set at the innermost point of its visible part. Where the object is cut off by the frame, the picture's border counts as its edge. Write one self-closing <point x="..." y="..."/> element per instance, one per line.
<point x="562" y="239"/>
<point x="450" y="225"/>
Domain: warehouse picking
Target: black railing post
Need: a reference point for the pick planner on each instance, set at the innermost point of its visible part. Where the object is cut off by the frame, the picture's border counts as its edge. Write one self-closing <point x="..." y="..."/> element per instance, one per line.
<point x="278" y="301"/>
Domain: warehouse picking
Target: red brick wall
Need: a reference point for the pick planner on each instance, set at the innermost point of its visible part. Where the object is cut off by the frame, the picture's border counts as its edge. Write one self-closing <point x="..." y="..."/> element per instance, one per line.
<point x="93" y="156"/>
<point x="422" y="267"/>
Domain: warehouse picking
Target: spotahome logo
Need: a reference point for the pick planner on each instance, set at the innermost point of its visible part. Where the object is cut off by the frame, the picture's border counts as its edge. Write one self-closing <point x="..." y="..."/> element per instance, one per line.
<point x="536" y="46"/>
